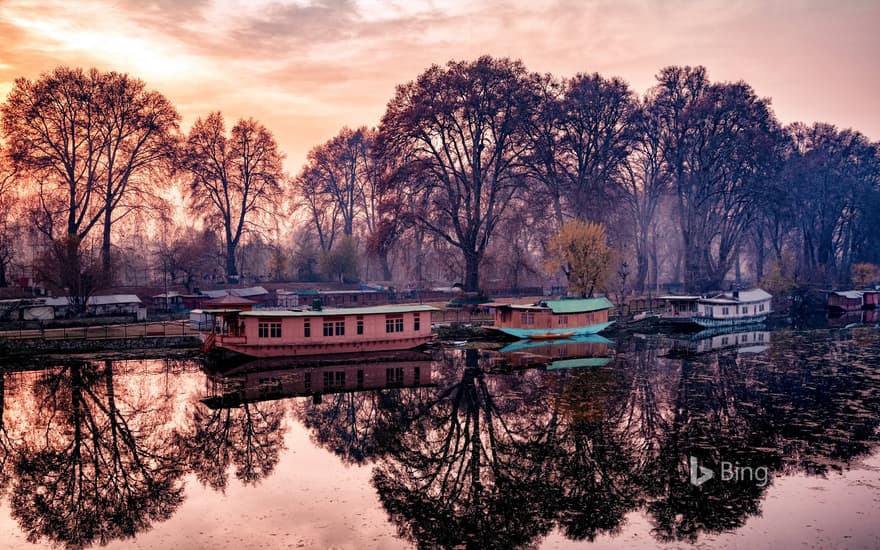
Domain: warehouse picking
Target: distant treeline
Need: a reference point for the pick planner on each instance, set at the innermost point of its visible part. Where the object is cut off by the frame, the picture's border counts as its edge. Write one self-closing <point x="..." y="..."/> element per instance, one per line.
<point x="469" y="174"/>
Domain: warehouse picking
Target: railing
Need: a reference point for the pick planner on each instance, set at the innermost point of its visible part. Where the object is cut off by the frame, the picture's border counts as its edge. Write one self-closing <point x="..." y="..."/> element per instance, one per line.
<point x="106" y="332"/>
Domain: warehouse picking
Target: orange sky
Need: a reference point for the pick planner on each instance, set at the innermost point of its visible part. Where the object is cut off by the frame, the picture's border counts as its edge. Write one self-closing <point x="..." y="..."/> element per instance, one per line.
<point x="305" y="68"/>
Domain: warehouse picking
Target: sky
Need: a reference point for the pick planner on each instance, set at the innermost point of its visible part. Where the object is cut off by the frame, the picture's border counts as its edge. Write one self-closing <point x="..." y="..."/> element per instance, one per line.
<point x="306" y="68"/>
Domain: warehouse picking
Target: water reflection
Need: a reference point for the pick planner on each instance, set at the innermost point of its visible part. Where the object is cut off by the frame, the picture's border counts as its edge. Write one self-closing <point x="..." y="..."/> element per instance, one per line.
<point x="468" y="448"/>
<point x="94" y="463"/>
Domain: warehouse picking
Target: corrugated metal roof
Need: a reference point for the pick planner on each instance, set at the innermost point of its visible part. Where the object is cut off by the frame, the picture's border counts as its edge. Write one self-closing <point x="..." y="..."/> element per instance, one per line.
<point x="578" y="305"/>
<point x="96" y="300"/>
<point x="249" y="291"/>
<point x="850" y="294"/>
<point x="375" y="310"/>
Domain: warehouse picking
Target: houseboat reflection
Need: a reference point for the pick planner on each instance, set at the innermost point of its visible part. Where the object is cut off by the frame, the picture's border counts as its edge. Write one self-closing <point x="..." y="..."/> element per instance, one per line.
<point x="270" y="379"/>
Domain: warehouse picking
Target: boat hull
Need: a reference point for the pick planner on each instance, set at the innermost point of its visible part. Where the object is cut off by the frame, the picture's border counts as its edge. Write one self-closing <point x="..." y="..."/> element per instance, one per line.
<point x="317" y="348"/>
<point x="545" y="333"/>
<point x="708" y="322"/>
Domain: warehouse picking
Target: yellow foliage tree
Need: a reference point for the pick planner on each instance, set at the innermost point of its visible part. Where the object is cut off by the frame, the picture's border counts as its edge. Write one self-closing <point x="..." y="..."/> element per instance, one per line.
<point x="864" y="274"/>
<point x="580" y="249"/>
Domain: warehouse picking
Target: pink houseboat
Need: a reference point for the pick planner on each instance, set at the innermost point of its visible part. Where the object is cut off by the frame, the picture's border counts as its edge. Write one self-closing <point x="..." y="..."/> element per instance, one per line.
<point x="284" y="333"/>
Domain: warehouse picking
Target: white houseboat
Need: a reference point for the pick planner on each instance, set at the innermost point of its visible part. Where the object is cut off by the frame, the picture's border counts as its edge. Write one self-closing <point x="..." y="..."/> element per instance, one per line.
<point x="736" y="307"/>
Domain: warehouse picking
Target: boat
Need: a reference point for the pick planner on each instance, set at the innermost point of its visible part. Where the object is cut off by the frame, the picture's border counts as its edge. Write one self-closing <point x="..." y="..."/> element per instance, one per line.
<point x="288" y="333"/>
<point x="852" y="300"/>
<point x="553" y="319"/>
<point x="736" y="307"/>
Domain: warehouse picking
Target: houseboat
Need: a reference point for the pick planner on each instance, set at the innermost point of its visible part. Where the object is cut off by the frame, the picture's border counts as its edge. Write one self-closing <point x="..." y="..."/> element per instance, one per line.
<point x="737" y="307"/>
<point x="852" y="300"/>
<point x="286" y="333"/>
<point x="549" y="319"/>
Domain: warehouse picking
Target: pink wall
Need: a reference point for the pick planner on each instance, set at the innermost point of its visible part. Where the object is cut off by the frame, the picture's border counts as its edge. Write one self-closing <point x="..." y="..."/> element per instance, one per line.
<point x="374" y="327"/>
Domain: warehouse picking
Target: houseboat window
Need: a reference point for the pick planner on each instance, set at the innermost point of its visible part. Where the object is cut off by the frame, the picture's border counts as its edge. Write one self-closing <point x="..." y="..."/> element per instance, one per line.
<point x="417" y="324"/>
<point x="394" y="323"/>
<point x="417" y="376"/>
<point x="761" y="307"/>
<point x="266" y="329"/>
<point x="745" y="309"/>
<point x="339" y="328"/>
<point x="724" y="339"/>
<point x="394" y="377"/>
<point x="360" y="379"/>
<point x="725" y="310"/>
<point x="307" y="381"/>
<point x="328" y="328"/>
<point x="563" y="320"/>
<point x="360" y="325"/>
<point x="334" y="379"/>
<point x="527" y="318"/>
<point x="307" y="328"/>
<point x="709" y="311"/>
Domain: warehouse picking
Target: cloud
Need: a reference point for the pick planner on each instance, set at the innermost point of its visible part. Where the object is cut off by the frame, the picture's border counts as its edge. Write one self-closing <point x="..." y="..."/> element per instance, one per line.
<point x="306" y="68"/>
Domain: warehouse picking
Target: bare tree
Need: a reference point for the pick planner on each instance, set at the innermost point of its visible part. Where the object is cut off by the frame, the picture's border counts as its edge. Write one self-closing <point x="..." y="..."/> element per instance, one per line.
<point x="461" y="130"/>
<point x="139" y="135"/>
<point x="90" y="141"/>
<point x="235" y="179"/>
<point x="594" y="142"/>
<point x="720" y="142"/>
<point x="7" y="200"/>
<point x="644" y="180"/>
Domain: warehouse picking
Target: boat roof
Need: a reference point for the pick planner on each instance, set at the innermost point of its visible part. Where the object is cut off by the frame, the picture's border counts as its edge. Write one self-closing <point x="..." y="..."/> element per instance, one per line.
<point x="374" y="310"/>
<point x="565" y="305"/>
<point x="743" y="296"/>
<point x="681" y="298"/>
<point x="851" y="294"/>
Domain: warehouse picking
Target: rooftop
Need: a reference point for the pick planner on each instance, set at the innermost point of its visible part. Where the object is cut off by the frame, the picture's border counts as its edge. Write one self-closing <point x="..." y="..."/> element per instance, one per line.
<point x="376" y="310"/>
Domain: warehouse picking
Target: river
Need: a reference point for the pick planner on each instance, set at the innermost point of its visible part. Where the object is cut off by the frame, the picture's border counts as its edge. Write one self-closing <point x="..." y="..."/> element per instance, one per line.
<point x="754" y="439"/>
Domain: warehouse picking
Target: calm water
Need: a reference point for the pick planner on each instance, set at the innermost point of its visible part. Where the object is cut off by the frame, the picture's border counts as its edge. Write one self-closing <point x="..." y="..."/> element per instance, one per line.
<point x="580" y="445"/>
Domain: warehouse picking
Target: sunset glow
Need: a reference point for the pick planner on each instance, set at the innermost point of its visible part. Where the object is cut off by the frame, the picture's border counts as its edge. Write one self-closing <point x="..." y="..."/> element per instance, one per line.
<point x="306" y="68"/>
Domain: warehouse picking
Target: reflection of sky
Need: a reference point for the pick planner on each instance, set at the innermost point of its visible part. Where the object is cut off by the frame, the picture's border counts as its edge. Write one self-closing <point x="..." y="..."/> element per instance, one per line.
<point x="306" y="68"/>
<point x="838" y="511"/>
<point x="311" y="499"/>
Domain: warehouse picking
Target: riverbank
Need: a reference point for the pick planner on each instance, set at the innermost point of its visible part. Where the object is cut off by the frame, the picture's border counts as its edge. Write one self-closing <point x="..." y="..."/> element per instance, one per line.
<point x="18" y="347"/>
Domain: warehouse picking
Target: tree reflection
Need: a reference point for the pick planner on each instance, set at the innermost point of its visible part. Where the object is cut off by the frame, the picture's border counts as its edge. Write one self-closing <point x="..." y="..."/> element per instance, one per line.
<point x="98" y="464"/>
<point x="594" y="460"/>
<point x="458" y="471"/>
<point x="250" y="437"/>
<point x="496" y="457"/>
<point x="5" y="443"/>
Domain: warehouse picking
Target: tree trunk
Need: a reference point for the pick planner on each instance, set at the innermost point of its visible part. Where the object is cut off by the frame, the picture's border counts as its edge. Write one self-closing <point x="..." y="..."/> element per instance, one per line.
<point x="471" y="271"/>
<point x="106" y="261"/>
<point x="231" y="270"/>
<point x="383" y="263"/>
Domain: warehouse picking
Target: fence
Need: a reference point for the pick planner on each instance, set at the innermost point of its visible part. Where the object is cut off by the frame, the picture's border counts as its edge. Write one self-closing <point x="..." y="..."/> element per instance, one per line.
<point x="106" y="332"/>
